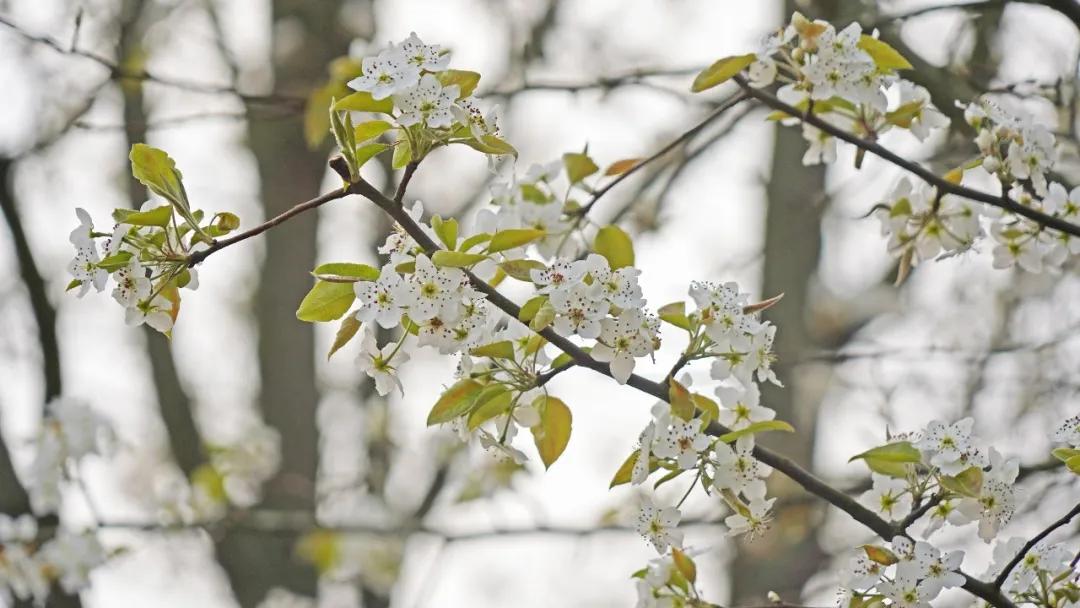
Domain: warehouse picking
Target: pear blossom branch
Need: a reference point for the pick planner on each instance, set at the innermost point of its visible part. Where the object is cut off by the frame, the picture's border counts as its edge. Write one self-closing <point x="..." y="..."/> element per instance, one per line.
<point x="943" y="185"/>
<point x="198" y="256"/>
<point x="793" y="470"/>
<point x="1004" y="574"/>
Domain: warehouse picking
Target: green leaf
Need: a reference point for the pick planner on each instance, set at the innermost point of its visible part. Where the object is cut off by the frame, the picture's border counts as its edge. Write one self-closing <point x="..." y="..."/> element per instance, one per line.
<point x="348" y="328"/>
<point x="158" y="216"/>
<point x="456" y="259"/>
<point x="490" y="144"/>
<point x="115" y="261"/>
<point x="885" y="57"/>
<point x="371" y="129"/>
<point x="325" y="302"/>
<point x="360" y="272"/>
<point x="465" y="80"/>
<point x="530" y="308"/>
<point x="362" y="101"/>
<point x="454" y="401"/>
<point x="906" y="113"/>
<point x="1064" y="454"/>
<point x="490" y="406"/>
<point x="578" y="166"/>
<point x="615" y="245"/>
<point x="402" y="154"/>
<point x="709" y="408"/>
<point x="155" y="170"/>
<point x="446" y="230"/>
<point x="1073" y="464"/>
<point x="967" y="483"/>
<point x="682" y="404"/>
<point x="684" y="564"/>
<point x="73" y="284"/>
<point x="543" y="317"/>
<point x="758" y="427"/>
<point x="475" y="240"/>
<point x="520" y="269"/>
<point x="553" y="432"/>
<point x="675" y="314"/>
<point x="368" y="152"/>
<point x="316" y="120"/>
<point x="890" y="459"/>
<point x="514" y="237"/>
<point x="503" y="349"/>
<point x="721" y="71"/>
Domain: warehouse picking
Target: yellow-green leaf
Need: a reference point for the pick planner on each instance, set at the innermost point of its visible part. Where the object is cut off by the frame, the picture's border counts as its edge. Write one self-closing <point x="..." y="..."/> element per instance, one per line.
<point x="402" y="154"/>
<point x="520" y="269"/>
<point x="967" y="483"/>
<point x="615" y="245"/>
<point x="625" y="471"/>
<point x="682" y="405"/>
<point x="158" y="216"/>
<point x="578" y="166"/>
<point x="446" y="230"/>
<point x="502" y="349"/>
<point x="885" y="57"/>
<point x="370" y="129"/>
<point x="352" y="270"/>
<point x="530" y="308"/>
<point x="553" y="432"/>
<point x="155" y="170"/>
<point x="544" y="316"/>
<point x="454" y="401"/>
<point x="348" y="328"/>
<point x="325" y="302"/>
<point x="721" y="71"/>
<point x="906" y="113"/>
<point x="758" y="427"/>
<point x="490" y="144"/>
<point x="496" y="404"/>
<point x="316" y="119"/>
<point x="368" y="152"/>
<point x="475" y="240"/>
<point x="674" y="313"/>
<point x="710" y="409"/>
<point x="1073" y="464"/>
<point x="456" y="259"/>
<point x="362" y="101"/>
<point x="465" y="80"/>
<point x="684" y="564"/>
<point x="514" y="237"/>
<point x="890" y="459"/>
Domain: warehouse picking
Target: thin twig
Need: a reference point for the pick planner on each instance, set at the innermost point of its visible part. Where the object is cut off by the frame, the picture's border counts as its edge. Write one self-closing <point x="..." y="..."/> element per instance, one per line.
<point x="1001" y="578"/>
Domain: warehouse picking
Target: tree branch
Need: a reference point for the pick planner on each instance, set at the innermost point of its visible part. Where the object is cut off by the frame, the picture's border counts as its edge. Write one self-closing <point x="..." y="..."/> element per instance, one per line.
<point x="1000" y="580"/>
<point x="944" y="186"/>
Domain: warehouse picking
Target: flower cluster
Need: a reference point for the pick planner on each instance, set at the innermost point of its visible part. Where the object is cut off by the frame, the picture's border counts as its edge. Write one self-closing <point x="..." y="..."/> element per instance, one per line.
<point x="964" y="480"/>
<point x="148" y="252"/>
<point x="909" y="574"/>
<point x="29" y="568"/>
<point x="431" y="105"/>
<point x="724" y="328"/>
<point x="843" y="77"/>
<point x="1044" y="576"/>
<point x="917" y="219"/>
<point x="70" y="431"/>
<point x="1020" y="153"/>
<point x="668" y="582"/>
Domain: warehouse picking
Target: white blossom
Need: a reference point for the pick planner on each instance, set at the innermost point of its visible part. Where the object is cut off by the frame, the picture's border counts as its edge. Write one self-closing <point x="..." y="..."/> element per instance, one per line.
<point x="658" y="525"/>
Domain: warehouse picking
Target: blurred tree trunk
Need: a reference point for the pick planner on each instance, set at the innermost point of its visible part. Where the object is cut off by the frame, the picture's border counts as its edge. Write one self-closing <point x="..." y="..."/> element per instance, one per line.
<point x="173" y="403"/>
<point x="290" y="173"/>
<point x="14" y="500"/>
<point x="783" y="560"/>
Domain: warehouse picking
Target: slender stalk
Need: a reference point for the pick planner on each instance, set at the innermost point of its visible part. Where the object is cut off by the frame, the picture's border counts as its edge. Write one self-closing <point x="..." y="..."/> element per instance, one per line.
<point x="1028" y="546"/>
